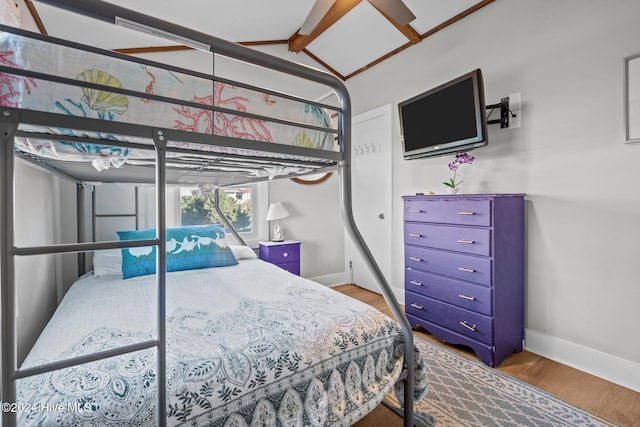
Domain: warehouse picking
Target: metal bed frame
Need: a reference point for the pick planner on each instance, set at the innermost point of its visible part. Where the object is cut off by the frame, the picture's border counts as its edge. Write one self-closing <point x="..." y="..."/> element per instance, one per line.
<point x="11" y="119"/>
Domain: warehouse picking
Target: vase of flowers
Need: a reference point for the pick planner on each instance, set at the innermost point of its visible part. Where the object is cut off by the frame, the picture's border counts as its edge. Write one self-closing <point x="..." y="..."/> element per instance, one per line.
<point x="453" y="190"/>
<point x="453" y="183"/>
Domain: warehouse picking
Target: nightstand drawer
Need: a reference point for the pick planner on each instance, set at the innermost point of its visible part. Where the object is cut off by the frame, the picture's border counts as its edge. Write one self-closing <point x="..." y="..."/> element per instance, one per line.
<point x="466" y="295"/>
<point x="459" y="266"/>
<point x="456" y="319"/>
<point x="291" y="267"/>
<point x="465" y="212"/>
<point x="469" y="240"/>
<point x="279" y="253"/>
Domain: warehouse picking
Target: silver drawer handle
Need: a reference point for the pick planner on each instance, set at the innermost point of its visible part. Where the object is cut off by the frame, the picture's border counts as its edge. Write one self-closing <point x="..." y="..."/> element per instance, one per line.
<point x="466" y="213"/>
<point x="415" y="210"/>
<point x="467" y="297"/>
<point x="468" y="270"/>
<point x="412" y="258"/>
<point x="414" y="305"/>
<point x="466" y="241"/>
<point x="286" y="254"/>
<point x="415" y="282"/>
<point x="415" y="235"/>
<point x="468" y="326"/>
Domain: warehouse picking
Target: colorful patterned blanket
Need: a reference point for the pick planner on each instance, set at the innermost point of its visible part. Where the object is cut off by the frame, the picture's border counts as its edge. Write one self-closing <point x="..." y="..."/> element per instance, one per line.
<point x="98" y="102"/>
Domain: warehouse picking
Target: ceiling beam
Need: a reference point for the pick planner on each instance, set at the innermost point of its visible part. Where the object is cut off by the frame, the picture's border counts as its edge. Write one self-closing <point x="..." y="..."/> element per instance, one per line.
<point x="151" y="49"/>
<point x="298" y="42"/>
<point x="36" y="17"/>
<point x="407" y="30"/>
<point x="175" y="48"/>
<point x="456" y="18"/>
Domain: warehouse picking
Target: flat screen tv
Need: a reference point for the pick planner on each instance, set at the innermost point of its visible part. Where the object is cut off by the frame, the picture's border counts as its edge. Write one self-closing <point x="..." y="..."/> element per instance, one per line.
<point x="449" y="118"/>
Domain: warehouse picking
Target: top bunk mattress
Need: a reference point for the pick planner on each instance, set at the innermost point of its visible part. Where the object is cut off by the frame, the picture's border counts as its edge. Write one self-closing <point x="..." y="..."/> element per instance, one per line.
<point x="145" y="95"/>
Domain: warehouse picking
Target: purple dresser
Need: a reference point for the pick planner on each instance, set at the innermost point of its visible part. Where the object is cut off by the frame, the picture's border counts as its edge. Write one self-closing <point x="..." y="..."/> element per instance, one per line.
<point x="464" y="270"/>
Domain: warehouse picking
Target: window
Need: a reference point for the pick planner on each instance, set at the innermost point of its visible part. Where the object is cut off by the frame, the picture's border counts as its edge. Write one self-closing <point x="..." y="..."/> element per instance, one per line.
<point x="245" y="206"/>
<point x="198" y="207"/>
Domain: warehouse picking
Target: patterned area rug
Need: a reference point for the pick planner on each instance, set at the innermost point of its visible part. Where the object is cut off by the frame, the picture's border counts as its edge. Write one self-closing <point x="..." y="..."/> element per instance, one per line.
<point x="464" y="392"/>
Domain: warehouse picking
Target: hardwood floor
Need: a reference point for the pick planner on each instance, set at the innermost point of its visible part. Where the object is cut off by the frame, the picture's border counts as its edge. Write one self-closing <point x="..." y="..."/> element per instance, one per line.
<point x="599" y="397"/>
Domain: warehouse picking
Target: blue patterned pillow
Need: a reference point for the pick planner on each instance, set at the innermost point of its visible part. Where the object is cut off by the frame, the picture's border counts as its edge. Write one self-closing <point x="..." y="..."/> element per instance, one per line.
<point x="200" y="246"/>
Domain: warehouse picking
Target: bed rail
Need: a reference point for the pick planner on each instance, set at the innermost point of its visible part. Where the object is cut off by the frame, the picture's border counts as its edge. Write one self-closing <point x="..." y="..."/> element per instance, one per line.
<point x="9" y="121"/>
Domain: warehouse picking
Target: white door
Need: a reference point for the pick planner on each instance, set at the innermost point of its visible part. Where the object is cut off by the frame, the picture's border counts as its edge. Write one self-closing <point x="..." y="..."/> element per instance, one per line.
<point x="372" y="204"/>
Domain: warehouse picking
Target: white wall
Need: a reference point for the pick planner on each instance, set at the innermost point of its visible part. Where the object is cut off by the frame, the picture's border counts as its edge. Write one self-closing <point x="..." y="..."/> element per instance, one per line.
<point x="66" y="231"/>
<point x="581" y="180"/>
<point x="316" y="221"/>
<point x="42" y="279"/>
<point x="41" y="205"/>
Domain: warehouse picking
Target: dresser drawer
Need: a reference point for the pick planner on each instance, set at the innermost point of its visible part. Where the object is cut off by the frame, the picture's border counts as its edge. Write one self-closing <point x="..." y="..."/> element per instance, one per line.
<point x="454" y="318"/>
<point x="465" y="267"/>
<point x="464" y="211"/>
<point x="472" y="297"/>
<point x="469" y="240"/>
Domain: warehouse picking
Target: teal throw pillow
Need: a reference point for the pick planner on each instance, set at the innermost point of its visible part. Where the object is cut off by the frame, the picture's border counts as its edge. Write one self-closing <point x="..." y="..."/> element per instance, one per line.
<point x="192" y="247"/>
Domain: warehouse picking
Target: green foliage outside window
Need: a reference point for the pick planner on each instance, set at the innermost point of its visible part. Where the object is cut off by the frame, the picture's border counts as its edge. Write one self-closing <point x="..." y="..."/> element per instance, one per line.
<point x="199" y="209"/>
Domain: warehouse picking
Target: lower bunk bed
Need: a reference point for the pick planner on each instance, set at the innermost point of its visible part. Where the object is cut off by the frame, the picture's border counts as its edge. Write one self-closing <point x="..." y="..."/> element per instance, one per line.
<point x="243" y="343"/>
<point x="247" y="344"/>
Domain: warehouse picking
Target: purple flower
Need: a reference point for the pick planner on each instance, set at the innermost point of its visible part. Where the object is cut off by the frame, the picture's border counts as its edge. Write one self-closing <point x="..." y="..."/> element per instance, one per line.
<point x="461" y="158"/>
<point x="464" y="158"/>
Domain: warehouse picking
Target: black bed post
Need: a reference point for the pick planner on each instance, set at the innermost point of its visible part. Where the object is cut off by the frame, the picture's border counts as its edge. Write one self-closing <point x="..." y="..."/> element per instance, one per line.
<point x="385" y="288"/>
<point x="80" y="218"/>
<point x="8" y="126"/>
<point x="160" y="142"/>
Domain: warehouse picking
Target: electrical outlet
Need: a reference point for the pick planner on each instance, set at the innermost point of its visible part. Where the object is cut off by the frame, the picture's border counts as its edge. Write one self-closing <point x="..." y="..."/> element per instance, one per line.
<point x="515" y="105"/>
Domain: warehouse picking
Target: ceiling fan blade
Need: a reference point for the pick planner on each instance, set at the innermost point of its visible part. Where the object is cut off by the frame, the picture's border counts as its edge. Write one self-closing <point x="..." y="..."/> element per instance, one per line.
<point x="319" y="9"/>
<point x="396" y="9"/>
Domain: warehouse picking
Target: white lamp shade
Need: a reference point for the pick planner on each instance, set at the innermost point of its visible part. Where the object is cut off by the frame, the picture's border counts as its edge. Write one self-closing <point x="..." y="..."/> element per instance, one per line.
<point x="277" y="211"/>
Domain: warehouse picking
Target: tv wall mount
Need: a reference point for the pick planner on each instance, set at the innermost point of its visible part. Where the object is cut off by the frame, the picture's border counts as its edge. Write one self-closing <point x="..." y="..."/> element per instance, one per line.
<point x="503" y="105"/>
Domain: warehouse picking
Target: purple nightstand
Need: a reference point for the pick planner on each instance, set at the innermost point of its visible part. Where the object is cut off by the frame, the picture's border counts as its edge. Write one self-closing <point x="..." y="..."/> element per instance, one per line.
<point x="464" y="270"/>
<point x="285" y="254"/>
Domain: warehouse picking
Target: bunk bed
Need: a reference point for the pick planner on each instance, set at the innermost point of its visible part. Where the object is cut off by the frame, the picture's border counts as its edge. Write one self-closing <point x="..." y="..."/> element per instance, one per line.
<point x="284" y="351"/>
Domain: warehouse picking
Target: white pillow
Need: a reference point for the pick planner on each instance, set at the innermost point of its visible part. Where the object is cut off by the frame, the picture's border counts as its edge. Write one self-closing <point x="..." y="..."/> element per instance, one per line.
<point x="243" y="252"/>
<point x="107" y="262"/>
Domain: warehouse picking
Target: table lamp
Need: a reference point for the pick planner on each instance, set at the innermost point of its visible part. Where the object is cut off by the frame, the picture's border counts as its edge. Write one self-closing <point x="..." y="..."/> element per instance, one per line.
<point x="276" y="212"/>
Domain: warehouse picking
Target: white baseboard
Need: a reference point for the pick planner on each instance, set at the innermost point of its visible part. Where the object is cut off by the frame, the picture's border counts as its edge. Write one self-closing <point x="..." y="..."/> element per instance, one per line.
<point x="331" y="279"/>
<point x="344" y="277"/>
<point x="606" y="366"/>
<point x="341" y="280"/>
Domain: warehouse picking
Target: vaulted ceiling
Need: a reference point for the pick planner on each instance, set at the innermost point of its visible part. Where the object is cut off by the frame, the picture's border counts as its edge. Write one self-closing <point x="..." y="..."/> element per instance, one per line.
<point x="352" y="36"/>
